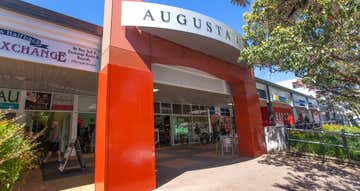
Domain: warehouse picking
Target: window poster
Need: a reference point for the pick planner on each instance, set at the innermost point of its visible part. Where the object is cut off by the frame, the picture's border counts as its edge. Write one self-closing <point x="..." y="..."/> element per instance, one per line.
<point x="62" y="102"/>
<point x="37" y="101"/>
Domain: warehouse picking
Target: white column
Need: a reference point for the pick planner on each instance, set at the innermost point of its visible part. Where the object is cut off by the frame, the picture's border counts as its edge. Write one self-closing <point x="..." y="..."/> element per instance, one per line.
<point x="293" y="109"/>
<point x="21" y="110"/>
<point x="74" y="119"/>
<point x="74" y="122"/>
<point x="308" y="110"/>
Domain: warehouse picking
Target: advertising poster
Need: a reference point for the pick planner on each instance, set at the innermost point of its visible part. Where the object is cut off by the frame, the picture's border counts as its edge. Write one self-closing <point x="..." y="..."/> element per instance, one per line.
<point x="37" y="101"/>
<point x="62" y="102"/>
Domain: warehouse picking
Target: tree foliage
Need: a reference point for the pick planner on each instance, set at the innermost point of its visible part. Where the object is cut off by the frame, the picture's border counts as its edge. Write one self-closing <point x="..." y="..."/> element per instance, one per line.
<point x="242" y="3"/>
<point x="318" y="40"/>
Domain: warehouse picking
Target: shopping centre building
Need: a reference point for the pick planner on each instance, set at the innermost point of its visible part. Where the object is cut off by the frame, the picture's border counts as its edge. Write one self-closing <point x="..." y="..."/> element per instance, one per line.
<point x="154" y="72"/>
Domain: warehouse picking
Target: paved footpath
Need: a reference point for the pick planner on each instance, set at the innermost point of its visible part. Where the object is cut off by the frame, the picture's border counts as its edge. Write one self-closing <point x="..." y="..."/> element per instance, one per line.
<point x="270" y="172"/>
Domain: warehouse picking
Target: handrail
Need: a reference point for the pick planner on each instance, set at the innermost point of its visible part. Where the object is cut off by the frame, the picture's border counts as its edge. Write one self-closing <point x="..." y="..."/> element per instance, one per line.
<point x="341" y="138"/>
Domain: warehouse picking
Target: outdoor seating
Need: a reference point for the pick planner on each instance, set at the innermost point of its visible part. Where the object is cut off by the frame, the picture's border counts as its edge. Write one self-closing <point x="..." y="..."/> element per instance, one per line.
<point x="225" y="144"/>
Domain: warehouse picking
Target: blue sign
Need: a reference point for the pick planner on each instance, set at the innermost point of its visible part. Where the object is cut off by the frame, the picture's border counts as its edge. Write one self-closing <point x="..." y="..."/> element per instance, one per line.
<point x="9" y="106"/>
<point x="282" y="99"/>
<point x="300" y="103"/>
<point x="222" y="112"/>
<point x="212" y="110"/>
<point x="9" y="99"/>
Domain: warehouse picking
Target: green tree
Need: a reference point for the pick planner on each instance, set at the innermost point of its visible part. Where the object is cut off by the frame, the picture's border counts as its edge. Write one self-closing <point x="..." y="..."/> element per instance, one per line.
<point x="318" y="40"/>
<point x="242" y="3"/>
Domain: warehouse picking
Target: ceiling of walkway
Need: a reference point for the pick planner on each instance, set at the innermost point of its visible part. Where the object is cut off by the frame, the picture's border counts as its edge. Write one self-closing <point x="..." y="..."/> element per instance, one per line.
<point x="173" y="94"/>
<point x="17" y="74"/>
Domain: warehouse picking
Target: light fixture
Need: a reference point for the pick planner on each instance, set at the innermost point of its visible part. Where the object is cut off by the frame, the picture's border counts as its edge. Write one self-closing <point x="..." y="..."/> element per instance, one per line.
<point x="155" y="90"/>
<point x="230" y="104"/>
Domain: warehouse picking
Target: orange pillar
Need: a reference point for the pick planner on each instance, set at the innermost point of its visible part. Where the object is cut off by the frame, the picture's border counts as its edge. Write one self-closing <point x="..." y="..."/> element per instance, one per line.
<point x="125" y="151"/>
<point x="248" y="118"/>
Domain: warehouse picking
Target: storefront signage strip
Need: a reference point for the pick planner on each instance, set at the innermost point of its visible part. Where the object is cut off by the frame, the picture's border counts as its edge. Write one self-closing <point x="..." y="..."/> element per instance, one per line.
<point x="18" y="45"/>
<point x="167" y="17"/>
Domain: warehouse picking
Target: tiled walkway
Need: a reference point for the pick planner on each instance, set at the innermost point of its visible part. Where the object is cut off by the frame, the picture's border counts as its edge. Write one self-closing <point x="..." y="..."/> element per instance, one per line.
<point x="269" y="173"/>
<point x="174" y="161"/>
<point x="198" y="168"/>
<point x="49" y="178"/>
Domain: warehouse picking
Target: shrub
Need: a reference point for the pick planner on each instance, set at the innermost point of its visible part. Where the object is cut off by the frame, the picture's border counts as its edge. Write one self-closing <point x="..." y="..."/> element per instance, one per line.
<point x="336" y="128"/>
<point x="17" y="151"/>
<point x="327" y="138"/>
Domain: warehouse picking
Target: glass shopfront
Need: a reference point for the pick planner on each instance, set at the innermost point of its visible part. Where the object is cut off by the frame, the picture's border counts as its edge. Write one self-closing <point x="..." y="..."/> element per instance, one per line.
<point x="36" y="121"/>
<point x="177" y="124"/>
<point x="40" y="109"/>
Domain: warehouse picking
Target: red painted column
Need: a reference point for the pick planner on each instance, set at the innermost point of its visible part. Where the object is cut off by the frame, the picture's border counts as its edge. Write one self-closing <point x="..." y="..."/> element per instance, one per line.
<point x="125" y="151"/>
<point x="248" y="118"/>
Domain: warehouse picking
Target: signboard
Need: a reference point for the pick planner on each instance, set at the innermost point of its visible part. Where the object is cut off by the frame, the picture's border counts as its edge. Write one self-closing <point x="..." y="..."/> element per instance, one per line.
<point x="18" y="45"/>
<point x="299" y="101"/>
<point x="37" y="101"/>
<point x="167" y="17"/>
<point x="62" y="102"/>
<point x="212" y="110"/>
<point x="281" y="99"/>
<point x="313" y="104"/>
<point x="9" y="99"/>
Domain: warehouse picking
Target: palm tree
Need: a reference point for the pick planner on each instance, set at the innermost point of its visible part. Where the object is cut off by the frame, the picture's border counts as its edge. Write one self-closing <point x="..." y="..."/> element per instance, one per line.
<point x="242" y="3"/>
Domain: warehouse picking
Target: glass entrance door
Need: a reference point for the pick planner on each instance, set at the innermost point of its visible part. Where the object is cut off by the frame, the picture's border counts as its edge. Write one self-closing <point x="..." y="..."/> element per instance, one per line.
<point x="37" y="121"/>
<point x="162" y="127"/>
<point x="190" y="129"/>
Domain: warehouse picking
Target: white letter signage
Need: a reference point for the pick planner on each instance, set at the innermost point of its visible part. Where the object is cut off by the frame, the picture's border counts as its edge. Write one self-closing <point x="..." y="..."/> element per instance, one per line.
<point x="167" y="17"/>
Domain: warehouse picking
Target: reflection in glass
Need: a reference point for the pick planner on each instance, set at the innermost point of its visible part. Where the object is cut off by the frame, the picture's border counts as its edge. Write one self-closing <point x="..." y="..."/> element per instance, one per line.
<point x="180" y="127"/>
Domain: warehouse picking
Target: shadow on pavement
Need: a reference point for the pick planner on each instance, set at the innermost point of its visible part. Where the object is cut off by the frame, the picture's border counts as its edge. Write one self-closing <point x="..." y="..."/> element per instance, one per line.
<point x="308" y="173"/>
<point x="171" y="162"/>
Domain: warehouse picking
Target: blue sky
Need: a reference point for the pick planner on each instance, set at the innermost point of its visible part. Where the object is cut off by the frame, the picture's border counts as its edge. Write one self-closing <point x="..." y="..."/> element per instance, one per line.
<point x="92" y="11"/>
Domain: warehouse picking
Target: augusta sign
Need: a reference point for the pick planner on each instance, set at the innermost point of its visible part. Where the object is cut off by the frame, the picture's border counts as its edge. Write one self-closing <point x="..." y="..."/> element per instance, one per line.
<point x="173" y="18"/>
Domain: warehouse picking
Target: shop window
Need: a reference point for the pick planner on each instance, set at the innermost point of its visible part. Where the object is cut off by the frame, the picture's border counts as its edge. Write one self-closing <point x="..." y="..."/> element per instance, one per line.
<point x="222" y="111"/>
<point x="177" y="109"/>
<point x="87" y="104"/>
<point x="261" y="93"/>
<point x="86" y="131"/>
<point x="195" y="109"/>
<point x="166" y="108"/>
<point x="231" y="112"/>
<point x="204" y="110"/>
<point x="212" y="110"/>
<point x="37" y="101"/>
<point x="227" y="112"/>
<point x="186" y="109"/>
<point x="157" y="107"/>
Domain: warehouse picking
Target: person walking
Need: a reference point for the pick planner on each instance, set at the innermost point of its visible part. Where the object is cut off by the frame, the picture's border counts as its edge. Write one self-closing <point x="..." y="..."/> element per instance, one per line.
<point x="54" y="142"/>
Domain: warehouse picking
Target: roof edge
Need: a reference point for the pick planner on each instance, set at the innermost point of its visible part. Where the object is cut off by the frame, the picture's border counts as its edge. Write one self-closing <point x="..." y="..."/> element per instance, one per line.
<point x="31" y="10"/>
<point x="259" y="80"/>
